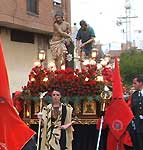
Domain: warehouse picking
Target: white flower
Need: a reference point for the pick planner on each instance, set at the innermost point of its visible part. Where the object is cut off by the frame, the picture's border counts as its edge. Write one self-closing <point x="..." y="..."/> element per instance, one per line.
<point x="69" y="57"/>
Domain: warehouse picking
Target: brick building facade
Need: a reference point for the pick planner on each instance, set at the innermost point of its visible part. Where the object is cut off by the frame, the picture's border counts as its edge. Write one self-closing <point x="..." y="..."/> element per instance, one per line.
<point x="32" y="15"/>
<point x="26" y="28"/>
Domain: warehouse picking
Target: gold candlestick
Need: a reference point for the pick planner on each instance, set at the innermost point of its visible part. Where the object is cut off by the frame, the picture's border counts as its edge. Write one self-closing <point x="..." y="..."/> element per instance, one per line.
<point x="105" y="97"/>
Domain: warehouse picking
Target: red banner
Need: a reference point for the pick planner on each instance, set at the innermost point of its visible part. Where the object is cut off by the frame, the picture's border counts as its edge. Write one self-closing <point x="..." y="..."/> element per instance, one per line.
<point x="118" y="114"/>
<point x="14" y="133"/>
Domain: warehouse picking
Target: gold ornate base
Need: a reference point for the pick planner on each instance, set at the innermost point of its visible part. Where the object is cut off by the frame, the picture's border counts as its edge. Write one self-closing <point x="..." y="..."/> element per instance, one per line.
<point x="80" y="121"/>
<point x="85" y="112"/>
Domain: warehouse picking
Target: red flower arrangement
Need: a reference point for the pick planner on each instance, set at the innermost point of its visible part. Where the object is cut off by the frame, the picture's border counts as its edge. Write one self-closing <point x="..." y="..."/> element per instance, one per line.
<point x="74" y="83"/>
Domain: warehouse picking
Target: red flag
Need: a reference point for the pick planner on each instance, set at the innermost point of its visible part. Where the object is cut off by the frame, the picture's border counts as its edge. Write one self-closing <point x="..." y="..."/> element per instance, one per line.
<point x="14" y="133"/>
<point x="118" y="114"/>
<point x="4" y="84"/>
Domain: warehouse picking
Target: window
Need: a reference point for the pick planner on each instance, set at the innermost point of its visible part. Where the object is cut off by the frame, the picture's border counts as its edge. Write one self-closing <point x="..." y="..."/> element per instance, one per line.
<point x="32" y="6"/>
<point x="22" y="36"/>
<point x="42" y="42"/>
<point x="56" y="2"/>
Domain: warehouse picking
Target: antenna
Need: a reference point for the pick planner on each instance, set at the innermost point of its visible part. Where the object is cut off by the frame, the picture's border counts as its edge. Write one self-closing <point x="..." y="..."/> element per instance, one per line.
<point x="127" y="20"/>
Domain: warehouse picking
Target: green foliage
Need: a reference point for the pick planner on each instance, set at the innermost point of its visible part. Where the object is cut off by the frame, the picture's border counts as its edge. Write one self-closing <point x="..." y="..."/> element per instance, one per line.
<point x="131" y="64"/>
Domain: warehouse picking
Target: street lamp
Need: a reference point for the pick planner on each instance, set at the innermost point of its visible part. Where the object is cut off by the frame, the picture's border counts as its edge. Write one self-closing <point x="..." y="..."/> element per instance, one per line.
<point x="94" y="53"/>
<point x="41" y="56"/>
<point x="107" y="58"/>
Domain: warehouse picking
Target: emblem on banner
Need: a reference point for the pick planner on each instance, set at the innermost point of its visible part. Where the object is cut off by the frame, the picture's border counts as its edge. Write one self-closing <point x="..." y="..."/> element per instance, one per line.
<point x="117" y="125"/>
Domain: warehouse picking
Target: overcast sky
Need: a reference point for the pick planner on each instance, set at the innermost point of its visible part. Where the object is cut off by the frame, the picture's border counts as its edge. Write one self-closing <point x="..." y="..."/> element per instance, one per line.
<point x="102" y="16"/>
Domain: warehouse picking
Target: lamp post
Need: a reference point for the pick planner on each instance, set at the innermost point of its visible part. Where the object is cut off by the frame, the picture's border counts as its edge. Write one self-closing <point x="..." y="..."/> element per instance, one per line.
<point x="40" y="119"/>
<point x="94" y="53"/>
<point x="41" y="56"/>
<point x="105" y="97"/>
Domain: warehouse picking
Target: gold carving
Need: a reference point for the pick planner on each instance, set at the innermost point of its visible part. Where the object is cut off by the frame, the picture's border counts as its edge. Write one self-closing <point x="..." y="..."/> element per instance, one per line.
<point x="77" y="108"/>
<point x="89" y="108"/>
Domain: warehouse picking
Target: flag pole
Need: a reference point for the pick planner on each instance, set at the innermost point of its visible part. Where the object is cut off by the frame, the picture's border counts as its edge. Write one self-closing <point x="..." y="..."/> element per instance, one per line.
<point x="106" y="96"/>
<point x="42" y="57"/>
<point x="100" y="129"/>
<point x="40" y="119"/>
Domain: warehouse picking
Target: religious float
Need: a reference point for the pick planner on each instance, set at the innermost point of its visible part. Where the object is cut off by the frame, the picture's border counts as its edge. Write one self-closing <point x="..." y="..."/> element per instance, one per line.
<point x="83" y="89"/>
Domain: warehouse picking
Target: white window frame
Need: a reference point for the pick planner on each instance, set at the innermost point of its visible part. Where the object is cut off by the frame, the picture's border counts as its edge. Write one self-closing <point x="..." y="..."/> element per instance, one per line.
<point x="57" y="1"/>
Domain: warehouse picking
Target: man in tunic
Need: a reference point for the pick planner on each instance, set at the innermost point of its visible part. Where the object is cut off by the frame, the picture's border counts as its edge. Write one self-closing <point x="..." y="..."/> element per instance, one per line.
<point x="57" y="132"/>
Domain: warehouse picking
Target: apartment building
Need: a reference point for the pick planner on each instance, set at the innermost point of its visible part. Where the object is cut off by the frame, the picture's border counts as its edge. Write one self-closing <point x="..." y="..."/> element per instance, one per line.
<point x="26" y="27"/>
